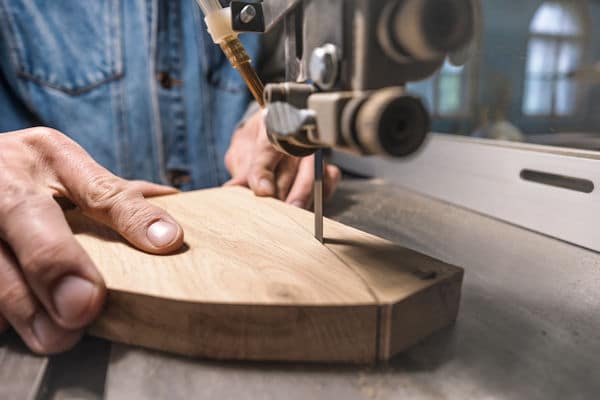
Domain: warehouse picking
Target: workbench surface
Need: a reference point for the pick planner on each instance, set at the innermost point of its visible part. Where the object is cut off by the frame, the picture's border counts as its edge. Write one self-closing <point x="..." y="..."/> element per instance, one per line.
<point x="528" y="328"/>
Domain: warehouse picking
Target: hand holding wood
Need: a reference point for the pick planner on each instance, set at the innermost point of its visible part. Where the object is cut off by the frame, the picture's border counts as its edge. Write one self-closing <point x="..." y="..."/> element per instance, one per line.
<point x="50" y="289"/>
<point x="253" y="162"/>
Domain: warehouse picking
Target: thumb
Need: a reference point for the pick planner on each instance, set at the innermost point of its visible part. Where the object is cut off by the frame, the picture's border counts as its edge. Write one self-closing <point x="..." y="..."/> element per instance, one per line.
<point x="144" y="225"/>
<point x="111" y="200"/>
<point x="149" y="189"/>
<point x="121" y="205"/>
<point x="237" y="181"/>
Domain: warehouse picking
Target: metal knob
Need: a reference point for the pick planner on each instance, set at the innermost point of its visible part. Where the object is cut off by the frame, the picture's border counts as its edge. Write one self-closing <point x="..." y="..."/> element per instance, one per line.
<point x="324" y="66"/>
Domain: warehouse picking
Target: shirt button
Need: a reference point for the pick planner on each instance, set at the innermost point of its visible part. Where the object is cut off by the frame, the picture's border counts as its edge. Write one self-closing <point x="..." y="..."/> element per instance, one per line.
<point x="166" y="80"/>
<point x="178" y="178"/>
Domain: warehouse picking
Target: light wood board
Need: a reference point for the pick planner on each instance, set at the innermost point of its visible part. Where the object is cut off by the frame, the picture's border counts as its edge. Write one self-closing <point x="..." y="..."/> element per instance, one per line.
<point x="252" y="283"/>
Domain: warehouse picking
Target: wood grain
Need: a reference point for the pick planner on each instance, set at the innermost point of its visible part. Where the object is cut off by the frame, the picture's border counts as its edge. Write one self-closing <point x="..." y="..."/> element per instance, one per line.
<point x="252" y="283"/>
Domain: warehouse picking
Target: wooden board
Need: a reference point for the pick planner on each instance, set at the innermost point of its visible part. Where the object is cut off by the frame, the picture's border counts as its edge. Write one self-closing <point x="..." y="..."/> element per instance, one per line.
<point x="252" y="283"/>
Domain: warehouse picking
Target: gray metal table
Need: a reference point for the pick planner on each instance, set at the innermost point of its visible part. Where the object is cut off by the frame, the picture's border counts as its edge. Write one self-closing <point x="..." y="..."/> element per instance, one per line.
<point x="529" y="326"/>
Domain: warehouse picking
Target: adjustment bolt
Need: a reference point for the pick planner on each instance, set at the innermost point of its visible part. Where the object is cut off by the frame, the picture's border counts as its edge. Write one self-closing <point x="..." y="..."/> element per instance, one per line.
<point x="248" y="14"/>
<point x="324" y="66"/>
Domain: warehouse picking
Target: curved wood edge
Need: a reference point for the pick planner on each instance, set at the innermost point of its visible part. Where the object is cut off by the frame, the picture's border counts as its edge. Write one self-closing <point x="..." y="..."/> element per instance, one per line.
<point x="229" y="331"/>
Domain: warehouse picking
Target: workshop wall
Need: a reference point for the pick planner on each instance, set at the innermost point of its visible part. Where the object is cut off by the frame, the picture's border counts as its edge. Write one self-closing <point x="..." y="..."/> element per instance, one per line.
<point x="501" y="60"/>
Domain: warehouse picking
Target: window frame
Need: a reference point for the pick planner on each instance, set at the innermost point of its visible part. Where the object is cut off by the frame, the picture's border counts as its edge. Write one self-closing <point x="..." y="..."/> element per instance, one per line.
<point x="559" y="40"/>
<point x="466" y="86"/>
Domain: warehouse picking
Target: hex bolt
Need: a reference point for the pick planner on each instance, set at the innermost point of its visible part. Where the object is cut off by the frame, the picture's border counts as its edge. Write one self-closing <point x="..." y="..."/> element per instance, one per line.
<point x="324" y="66"/>
<point x="248" y="14"/>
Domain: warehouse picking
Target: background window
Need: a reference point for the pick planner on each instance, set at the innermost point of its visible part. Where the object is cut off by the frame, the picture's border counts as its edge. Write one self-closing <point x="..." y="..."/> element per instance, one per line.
<point x="446" y="93"/>
<point x="554" y="52"/>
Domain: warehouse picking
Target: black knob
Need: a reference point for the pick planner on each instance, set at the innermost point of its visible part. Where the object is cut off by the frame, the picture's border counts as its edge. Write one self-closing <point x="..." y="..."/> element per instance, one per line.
<point x="426" y="30"/>
<point x="392" y="123"/>
<point x="448" y="24"/>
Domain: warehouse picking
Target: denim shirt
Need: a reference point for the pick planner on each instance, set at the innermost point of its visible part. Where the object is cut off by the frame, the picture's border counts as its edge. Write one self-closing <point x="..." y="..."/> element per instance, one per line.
<point x="138" y="83"/>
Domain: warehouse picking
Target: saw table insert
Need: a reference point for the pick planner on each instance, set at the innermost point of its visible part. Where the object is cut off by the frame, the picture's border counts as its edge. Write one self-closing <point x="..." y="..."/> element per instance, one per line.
<point x="253" y="283"/>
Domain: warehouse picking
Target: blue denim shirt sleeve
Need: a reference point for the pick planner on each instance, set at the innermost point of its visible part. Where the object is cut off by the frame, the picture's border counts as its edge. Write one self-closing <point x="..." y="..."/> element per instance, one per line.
<point x="139" y="85"/>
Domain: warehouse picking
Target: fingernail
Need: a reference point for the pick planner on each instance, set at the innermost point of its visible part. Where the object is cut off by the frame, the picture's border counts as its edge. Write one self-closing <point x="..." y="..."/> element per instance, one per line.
<point x="162" y="233"/>
<point x="72" y="297"/>
<point x="266" y="186"/>
<point x="46" y="331"/>
<point x="298" y="204"/>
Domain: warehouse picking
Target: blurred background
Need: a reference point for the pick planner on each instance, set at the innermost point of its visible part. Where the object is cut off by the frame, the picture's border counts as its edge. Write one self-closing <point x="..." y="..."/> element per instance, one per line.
<point x="532" y="76"/>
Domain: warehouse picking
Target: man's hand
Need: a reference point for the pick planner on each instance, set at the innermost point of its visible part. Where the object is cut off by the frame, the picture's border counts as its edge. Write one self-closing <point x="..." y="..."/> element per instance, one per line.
<point x="253" y="162"/>
<point x="49" y="287"/>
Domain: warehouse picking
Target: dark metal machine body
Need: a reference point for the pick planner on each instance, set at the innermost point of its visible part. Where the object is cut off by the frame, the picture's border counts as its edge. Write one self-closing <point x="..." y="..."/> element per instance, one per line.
<point x="347" y="65"/>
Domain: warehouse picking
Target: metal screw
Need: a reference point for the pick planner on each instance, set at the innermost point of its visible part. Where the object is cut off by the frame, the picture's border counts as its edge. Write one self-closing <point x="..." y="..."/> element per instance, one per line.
<point x="323" y="67"/>
<point x="248" y="14"/>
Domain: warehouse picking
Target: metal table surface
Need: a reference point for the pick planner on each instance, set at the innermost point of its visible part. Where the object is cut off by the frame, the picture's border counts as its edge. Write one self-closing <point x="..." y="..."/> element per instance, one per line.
<point x="528" y="328"/>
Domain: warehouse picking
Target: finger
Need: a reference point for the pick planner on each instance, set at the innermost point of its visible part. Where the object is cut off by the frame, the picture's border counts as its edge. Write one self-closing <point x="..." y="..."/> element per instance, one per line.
<point x="333" y="176"/>
<point x="114" y="202"/>
<point x="301" y="192"/>
<point x="19" y="307"/>
<point x="286" y="172"/>
<point x="262" y="171"/>
<point x="54" y="265"/>
<point x="237" y="181"/>
<point x="149" y="189"/>
<point x="237" y="160"/>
